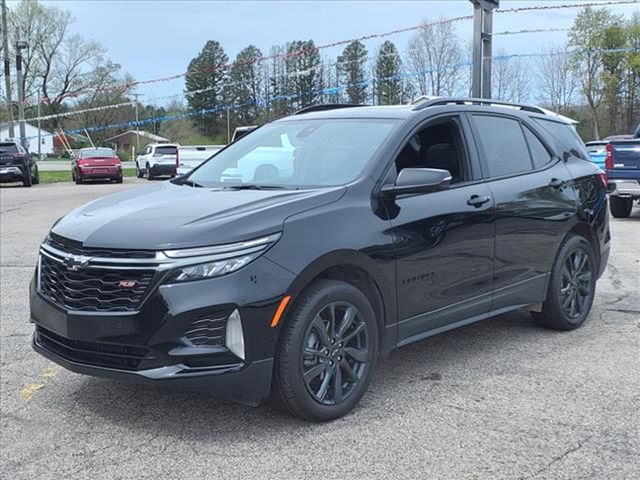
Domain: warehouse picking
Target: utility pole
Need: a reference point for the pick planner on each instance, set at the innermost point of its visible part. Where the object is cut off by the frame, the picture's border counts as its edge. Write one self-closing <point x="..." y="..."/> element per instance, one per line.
<point x="20" y="45"/>
<point x="7" y="67"/>
<point x="482" y="31"/>
<point x="39" y="132"/>
<point x="136" y="95"/>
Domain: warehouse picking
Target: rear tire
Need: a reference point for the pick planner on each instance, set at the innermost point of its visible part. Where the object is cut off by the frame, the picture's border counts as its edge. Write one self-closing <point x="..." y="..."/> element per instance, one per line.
<point x="572" y="286"/>
<point x="620" y="207"/>
<point x="322" y="366"/>
<point x="78" y="179"/>
<point x="147" y="173"/>
<point x="119" y="179"/>
<point x="27" y="180"/>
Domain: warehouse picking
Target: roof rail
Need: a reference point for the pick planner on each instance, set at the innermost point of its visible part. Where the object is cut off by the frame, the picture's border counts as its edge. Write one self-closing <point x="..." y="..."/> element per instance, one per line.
<point x="327" y="106"/>
<point x="436" y="101"/>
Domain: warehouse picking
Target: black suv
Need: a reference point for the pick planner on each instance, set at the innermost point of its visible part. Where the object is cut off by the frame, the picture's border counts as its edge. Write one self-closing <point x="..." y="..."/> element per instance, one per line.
<point x="290" y="260"/>
<point x="16" y="164"/>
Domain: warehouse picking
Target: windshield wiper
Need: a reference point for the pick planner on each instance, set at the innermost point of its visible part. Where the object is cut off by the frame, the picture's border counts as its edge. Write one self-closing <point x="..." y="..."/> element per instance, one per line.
<point x="191" y="183"/>
<point x="253" y="186"/>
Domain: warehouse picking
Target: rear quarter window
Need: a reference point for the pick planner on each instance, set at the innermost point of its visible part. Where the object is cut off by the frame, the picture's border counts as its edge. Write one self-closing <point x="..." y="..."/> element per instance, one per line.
<point x="566" y="137"/>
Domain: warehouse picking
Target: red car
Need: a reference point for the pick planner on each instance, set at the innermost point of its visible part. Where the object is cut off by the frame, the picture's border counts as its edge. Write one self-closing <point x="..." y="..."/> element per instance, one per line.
<point x="96" y="164"/>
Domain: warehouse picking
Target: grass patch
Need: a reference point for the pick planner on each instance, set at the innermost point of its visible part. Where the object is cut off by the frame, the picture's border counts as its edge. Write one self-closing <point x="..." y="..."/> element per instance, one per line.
<point x="65" y="176"/>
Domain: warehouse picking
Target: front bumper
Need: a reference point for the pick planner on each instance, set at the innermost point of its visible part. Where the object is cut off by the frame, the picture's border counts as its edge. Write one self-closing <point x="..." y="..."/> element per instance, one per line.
<point x="150" y="345"/>
<point x="624" y="188"/>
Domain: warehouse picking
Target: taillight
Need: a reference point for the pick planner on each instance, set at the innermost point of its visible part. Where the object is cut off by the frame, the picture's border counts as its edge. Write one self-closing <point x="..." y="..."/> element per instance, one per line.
<point x="177" y="160"/>
<point x="608" y="160"/>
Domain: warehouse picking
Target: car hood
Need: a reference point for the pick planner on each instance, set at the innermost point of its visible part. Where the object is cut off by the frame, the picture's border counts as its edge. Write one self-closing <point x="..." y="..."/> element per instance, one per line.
<point x="166" y="215"/>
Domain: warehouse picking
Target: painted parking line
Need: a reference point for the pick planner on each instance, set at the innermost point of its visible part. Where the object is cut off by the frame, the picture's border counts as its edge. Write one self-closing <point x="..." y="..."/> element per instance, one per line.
<point x="45" y="377"/>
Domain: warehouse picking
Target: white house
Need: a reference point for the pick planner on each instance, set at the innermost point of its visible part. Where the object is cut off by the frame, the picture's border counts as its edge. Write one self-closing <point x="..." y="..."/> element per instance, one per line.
<point x="31" y="132"/>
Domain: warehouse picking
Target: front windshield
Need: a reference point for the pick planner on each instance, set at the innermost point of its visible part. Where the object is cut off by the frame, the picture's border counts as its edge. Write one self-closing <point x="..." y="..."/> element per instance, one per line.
<point x="297" y="154"/>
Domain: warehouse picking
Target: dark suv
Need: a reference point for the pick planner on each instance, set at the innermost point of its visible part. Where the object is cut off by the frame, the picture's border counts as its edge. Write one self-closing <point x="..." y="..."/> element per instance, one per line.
<point x="16" y="164"/>
<point x="290" y="260"/>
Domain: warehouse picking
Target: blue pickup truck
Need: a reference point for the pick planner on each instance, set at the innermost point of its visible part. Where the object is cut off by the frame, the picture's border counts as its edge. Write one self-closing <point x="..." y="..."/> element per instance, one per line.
<point x="622" y="165"/>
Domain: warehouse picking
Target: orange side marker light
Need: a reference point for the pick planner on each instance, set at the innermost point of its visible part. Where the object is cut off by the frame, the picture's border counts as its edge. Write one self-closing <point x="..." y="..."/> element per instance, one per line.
<point x="283" y="304"/>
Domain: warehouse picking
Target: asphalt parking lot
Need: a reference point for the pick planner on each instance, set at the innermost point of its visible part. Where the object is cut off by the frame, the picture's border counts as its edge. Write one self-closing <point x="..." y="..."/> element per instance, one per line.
<point x="498" y="399"/>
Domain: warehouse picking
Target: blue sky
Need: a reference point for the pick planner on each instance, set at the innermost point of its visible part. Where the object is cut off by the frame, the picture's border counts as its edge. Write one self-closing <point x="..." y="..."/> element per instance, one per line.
<point x="155" y="38"/>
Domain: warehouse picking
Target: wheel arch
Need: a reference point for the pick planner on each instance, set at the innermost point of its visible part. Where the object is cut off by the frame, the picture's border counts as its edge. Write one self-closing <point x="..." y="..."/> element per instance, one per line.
<point x="362" y="272"/>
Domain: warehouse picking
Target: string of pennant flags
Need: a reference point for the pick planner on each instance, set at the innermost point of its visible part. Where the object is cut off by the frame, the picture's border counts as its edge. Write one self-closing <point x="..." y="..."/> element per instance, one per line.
<point x="301" y="52"/>
<point x="264" y="102"/>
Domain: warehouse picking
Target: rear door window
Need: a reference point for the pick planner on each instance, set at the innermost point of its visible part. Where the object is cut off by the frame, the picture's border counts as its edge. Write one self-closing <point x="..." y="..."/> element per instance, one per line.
<point x="165" y="150"/>
<point x="503" y="143"/>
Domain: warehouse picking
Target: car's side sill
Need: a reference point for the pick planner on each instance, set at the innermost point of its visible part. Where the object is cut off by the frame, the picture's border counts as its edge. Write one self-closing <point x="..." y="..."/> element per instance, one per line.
<point x="460" y="323"/>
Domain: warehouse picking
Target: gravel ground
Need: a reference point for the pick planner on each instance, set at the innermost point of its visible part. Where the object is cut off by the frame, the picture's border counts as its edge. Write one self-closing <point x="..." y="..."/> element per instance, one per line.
<point x="498" y="399"/>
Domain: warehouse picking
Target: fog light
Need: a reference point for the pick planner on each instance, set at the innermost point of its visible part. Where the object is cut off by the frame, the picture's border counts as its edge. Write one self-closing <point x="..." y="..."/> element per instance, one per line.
<point x="235" y="338"/>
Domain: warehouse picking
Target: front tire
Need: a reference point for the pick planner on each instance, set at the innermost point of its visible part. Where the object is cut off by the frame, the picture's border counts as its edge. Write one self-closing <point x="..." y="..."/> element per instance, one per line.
<point x="620" y="207"/>
<point x="327" y="352"/>
<point x="572" y="286"/>
<point x="139" y="173"/>
<point x="36" y="175"/>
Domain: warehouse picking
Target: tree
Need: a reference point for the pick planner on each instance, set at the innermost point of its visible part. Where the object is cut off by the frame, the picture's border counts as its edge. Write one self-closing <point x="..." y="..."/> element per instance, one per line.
<point x="302" y="63"/>
<point x="205" y="84"/>
<point x="632" y="74"/>
<point x="246" y="79"/>
<point x="434" y="54"/>
<point x="587" y="37"/>
<point x="57" y="65"/>
<point x="556" y="82"/>
<point x="511" y="78"/>
<point x="351" y="65"/>
<point x="389" y="85"/>
<point x="614" y="40"/>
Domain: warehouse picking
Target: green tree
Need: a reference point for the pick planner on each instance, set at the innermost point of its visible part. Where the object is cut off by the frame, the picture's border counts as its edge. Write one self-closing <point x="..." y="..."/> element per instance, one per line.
<point x="388" y="86"/>
<point x="205" y="85"/>
<point x="631" y="86"/>
<point x="588" y="38"/>
<point x="246" y="84"/>
<point x="352" y="70"/>
<point x="302" y="64"/>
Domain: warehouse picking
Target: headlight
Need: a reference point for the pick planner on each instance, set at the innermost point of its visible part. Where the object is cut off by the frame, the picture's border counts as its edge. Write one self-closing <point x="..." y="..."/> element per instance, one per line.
<point x="211" y="269"/>
<point x="214" y="261"/>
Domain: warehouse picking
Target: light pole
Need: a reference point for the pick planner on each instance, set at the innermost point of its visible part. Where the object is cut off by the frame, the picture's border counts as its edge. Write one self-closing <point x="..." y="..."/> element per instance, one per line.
<point x="20" y="45"/>
<point x="7" y="68"/>
<point x="482" y="30"/>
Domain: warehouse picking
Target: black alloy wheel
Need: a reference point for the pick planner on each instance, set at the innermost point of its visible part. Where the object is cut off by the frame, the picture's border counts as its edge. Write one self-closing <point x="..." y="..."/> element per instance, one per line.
<point x="327" y="351"/>
<point x="572" y="286"/>
<point x="577" y="273"/>
<point x="336" y="352"/>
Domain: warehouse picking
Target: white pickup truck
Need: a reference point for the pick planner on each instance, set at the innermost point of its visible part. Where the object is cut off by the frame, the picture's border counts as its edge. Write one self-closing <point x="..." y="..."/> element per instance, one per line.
<point x="189" y="157"/>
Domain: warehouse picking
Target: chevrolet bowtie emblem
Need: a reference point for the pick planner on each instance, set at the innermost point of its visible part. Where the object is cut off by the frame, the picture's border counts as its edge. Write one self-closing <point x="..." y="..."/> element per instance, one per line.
<point x="76" y="262"/>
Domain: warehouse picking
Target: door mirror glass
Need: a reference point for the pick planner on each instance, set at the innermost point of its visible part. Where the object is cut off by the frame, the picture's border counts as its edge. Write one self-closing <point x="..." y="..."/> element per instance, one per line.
<point x="418" y="180"/>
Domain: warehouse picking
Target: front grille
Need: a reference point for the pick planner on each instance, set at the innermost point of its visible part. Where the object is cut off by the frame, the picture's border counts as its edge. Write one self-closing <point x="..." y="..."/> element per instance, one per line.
<point x="208" y="331"/>
<point x="76" y="248"/>
<point x="111" y="355"/>
<point x="93" y="289"/>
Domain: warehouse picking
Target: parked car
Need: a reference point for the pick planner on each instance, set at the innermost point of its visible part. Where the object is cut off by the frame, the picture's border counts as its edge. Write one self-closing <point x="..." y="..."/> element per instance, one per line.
<point x="17" y="165"/>
<point x="157" y="159"/>
<point x="242" y="131"/>
<point x="96" y="163"/>
<point x="189" y="157"/>
<point x="623" y="173"/>
<point x="394" y="224"/>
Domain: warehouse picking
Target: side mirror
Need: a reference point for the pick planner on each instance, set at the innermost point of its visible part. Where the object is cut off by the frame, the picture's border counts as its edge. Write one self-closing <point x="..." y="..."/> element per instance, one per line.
<point x="418" y="180"/>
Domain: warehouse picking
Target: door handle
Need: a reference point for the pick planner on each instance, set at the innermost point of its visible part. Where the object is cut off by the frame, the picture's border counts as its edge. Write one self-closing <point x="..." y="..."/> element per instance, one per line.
<point x="477" y="201"/>
<point x="556" y="183"/>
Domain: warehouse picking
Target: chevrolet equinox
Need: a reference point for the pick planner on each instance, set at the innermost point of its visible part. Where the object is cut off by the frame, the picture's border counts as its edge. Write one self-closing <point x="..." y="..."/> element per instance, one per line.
<point x="292" y="259"/>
